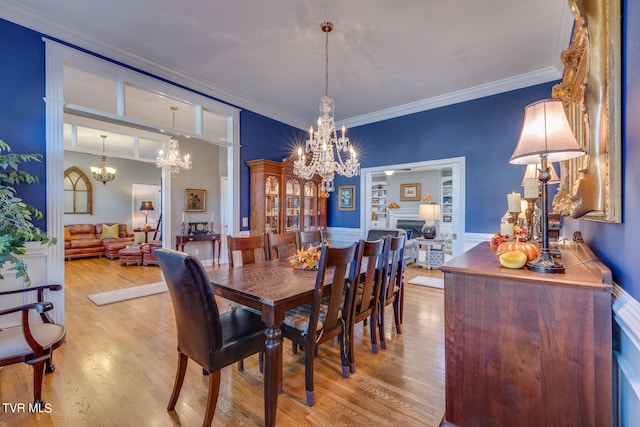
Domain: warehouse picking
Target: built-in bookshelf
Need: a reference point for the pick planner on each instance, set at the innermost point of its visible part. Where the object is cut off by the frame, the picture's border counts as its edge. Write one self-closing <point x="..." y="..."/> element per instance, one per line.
<point x="379" y="204"/>
<point x="445" y="228"/>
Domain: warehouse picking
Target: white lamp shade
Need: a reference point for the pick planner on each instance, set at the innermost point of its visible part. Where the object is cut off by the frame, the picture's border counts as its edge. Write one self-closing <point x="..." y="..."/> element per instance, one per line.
<point x="545" y="131"/>
<point x="429" y="211"/>
<point x="532" y="172"/>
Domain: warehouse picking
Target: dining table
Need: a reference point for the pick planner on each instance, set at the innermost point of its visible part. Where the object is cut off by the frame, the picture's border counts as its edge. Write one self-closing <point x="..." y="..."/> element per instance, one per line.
<point x="271" y="287"/>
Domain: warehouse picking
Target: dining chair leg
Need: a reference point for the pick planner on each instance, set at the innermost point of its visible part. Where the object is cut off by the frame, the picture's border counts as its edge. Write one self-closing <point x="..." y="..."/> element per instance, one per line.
<point x="49" y="366"/>
<point x="212" y="401"/>
<point x="177" y="385"/>
<point x="343" y="355"/>
<point x="38" y="374"/>
<point x="261" y="362"/>
<point x="241" y="365"/>
<point x="372" y="331"/>
<point x="397" y="317"/>
<point x="351" y="352"/>
<point x="383" y="344"/>
<point x="308" y="373"/>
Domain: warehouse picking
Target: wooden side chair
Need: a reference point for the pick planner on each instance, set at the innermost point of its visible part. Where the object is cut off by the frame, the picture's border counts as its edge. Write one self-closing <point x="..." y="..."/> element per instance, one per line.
<point x="210" y="339"/>
<point x="32" y="342"/>
<point x="309" y="238"/>
<point x="249" y="247"/>
<point x="391" y="288"/>
<point x="282" y="245"/>
<point x="324" y="319"/>
<point x="365" y="305"/>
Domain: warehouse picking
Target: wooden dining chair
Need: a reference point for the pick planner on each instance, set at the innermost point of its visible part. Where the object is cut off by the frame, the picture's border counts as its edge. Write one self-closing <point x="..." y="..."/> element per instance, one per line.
<point x="324" y="319"/>
<point x="282" y="245"/>
<point x="31" y="342"/>
<point x="309" y="238"/>
<point x="210" y="339"/>
<point x="391" y="287"/>
<point x="365" y="305"/>
<point x="248" y="247"/>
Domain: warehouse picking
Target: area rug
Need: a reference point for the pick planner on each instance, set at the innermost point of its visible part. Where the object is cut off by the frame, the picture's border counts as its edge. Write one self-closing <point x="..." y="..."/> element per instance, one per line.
<point x="432" y="282"/>
<point x="104" y="298"/>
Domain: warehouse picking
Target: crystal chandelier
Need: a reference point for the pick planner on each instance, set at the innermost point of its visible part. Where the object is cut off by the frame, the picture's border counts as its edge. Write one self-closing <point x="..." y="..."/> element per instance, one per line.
<point x="103" y="173"/>
<point x="321" y="143"/>
<point x="173" y="161"/>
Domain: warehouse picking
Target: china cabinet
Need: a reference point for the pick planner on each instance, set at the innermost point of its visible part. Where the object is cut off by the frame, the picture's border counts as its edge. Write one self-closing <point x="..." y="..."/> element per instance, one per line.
<point x="283" y="202"/>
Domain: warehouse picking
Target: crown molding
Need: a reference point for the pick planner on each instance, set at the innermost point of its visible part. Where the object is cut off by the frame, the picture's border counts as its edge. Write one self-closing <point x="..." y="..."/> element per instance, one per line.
<point x="505" y="85"/>
<point x="12" y="11"/>
<point x="51" y="28"/>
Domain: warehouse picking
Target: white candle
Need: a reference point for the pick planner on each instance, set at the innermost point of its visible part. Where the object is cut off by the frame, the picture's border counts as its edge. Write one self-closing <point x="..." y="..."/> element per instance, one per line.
<point x="506" y="229"/>
<point x="513" y="200"/>
<point x="183" y="217"/>
<point x="531" y="188"/>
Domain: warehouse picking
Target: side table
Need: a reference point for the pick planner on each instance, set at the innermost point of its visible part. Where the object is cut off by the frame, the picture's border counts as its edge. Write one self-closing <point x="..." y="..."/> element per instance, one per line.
<point x="182" y="240"/>
<point x="435" y="258"/>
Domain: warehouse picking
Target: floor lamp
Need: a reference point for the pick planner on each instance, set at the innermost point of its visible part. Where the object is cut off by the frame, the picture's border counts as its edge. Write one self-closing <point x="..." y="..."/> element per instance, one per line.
<point x="546" y="137"/>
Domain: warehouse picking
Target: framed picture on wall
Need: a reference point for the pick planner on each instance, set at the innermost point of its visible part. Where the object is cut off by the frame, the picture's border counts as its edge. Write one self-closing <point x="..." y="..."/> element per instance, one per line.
<point x="347" y="194"/>
<point x="195" y="200"/>
<point x="410" y="192"/>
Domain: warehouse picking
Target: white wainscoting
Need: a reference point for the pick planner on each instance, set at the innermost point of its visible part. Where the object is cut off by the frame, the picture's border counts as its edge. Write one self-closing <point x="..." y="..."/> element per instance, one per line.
<point x="36" y="260"/>
<point x="472" y="239"/>
<point x="626" y="317"/>
<point x="342" y="236"/>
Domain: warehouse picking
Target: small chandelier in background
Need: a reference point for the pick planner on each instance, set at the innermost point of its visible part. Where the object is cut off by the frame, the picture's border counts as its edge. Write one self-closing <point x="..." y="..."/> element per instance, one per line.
<point x="173" y="161"/>
<point x="320" y="144"/>
<point x="103" y="173"/>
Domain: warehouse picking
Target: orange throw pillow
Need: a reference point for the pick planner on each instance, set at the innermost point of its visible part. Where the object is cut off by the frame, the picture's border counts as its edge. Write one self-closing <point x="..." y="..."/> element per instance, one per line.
<point x="67" y="235"/>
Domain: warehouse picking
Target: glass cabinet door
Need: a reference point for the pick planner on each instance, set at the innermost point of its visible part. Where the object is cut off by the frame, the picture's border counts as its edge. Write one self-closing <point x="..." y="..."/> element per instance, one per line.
<point x="272" y="205"/>
<point x="292" y="205"/>
<point x="310" y="206"/>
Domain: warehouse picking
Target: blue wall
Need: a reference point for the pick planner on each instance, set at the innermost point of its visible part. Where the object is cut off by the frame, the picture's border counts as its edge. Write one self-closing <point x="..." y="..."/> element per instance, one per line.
<point x="485" y="131"/>
<point x="22" y="109"/>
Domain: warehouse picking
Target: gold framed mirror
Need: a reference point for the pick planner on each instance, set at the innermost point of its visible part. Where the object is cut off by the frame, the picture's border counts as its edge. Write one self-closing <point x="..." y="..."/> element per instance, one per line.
<point x="590" y="186"/>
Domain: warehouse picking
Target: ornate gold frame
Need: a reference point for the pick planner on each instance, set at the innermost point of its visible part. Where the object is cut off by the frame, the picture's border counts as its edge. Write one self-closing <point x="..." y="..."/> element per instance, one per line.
<point x="590" y="186"/>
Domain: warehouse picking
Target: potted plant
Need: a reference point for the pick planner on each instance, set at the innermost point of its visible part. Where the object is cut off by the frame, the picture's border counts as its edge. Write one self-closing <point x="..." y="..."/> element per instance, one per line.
<point x="16" y="227"/>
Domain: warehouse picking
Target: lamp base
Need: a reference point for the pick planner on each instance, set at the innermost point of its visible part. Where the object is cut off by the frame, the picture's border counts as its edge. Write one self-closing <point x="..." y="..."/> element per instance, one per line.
<point x="429" y="231"/>
<point x="545" y="264"/>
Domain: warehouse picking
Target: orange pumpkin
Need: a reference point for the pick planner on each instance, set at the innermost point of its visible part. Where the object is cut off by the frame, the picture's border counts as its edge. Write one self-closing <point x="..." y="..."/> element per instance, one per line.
<point x="531" y="250"/>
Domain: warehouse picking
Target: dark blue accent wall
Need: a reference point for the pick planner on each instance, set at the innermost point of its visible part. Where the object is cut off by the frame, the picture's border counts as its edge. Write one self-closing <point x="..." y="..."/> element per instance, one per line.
<point x="22" y="109"/>
<point x="484" y="131"/>
<point x="263" y="138"/>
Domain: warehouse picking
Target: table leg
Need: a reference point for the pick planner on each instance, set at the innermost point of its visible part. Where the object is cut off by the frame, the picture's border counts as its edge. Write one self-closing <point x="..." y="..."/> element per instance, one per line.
<point x="213" y="251"/>
<point x="272" y="373"/>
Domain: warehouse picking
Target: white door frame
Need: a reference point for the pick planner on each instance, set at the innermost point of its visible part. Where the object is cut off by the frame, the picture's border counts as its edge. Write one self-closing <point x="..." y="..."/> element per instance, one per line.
<point x="456" y="164"/>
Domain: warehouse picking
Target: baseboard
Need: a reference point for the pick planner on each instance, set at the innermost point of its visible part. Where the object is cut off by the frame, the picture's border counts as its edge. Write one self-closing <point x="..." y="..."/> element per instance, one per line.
<point x="626" y="316"/>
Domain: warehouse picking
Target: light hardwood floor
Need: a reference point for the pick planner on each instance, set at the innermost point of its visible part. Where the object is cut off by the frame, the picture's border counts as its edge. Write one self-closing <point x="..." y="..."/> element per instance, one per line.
<point x="118" y="365"/>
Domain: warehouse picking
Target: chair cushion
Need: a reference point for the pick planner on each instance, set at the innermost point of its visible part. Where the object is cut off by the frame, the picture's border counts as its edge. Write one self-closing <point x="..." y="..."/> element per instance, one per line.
<point x="298" y="318"/>
<point x="110" y="231"/>
<point x="13" y="343"/>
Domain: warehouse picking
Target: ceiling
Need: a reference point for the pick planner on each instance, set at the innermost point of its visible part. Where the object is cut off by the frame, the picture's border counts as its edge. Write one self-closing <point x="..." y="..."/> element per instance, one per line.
<point x="386" y="57"/>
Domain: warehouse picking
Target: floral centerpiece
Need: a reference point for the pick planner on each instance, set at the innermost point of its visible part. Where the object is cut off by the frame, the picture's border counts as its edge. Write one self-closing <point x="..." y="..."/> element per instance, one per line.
<point x="519" y="235"/>
<point x="307" y="259"/>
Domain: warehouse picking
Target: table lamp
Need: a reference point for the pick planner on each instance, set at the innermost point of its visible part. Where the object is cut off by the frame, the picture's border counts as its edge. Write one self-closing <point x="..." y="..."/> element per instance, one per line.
<point x="546" y="137"/>
<point x="430" y="212"/>
<point x="146" y="207"/>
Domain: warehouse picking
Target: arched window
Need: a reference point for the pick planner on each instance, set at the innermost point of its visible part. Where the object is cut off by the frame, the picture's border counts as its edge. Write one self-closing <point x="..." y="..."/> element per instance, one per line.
<point x="77" y="192"/>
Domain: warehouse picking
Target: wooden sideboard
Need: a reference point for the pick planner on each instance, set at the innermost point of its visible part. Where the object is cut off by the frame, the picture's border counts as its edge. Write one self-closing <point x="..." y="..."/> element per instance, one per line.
<point x="525" y="348"/>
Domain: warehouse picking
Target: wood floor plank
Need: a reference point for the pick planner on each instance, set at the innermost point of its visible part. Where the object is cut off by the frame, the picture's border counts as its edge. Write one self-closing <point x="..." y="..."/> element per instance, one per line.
<point x="117" y="367"/>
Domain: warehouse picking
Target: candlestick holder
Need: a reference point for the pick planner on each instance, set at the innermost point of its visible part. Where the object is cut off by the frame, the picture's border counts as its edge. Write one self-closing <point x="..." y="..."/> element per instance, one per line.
<point x="531" y="207"/>
<point x="183" y="229"/>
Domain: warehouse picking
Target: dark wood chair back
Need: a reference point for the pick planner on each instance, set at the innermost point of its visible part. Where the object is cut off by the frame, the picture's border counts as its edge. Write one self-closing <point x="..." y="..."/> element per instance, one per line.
<point x="367" y="295"/>
<point x="391" y="287"/>
<point x="331" y="306"/>
<point x="249" y="247"/>
<point x="309" y="238"/>
<point x="200" y="326"/>
<point x="282" y="245"/>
